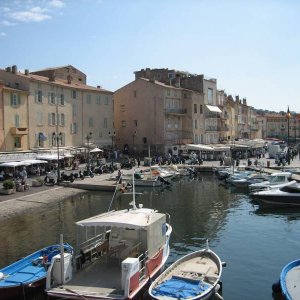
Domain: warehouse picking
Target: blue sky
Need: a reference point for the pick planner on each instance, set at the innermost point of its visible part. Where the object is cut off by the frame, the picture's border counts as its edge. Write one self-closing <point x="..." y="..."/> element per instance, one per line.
<point x="251" y="47"/>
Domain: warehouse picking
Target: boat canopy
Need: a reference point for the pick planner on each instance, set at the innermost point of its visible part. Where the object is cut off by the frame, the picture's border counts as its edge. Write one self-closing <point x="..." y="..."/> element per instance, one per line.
<point x="139" y="218"/>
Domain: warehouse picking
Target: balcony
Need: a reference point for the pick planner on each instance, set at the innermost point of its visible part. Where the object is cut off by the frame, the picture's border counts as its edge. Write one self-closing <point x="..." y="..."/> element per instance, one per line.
<point x="175" y="111"/>
<point x="212" y="128"/>
<point x="18" y="131"/>
<point x="212" y="115"/>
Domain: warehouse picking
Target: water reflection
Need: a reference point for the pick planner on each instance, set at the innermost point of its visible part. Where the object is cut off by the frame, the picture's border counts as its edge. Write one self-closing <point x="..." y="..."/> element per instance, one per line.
<point x="290" y="213"/>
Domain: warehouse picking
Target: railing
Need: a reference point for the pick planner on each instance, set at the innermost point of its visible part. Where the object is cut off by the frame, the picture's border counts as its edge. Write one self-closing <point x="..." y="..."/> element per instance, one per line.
<point x="177" y="111"/>
<point x="142" y="260"/>
<point x="212" y="128"/>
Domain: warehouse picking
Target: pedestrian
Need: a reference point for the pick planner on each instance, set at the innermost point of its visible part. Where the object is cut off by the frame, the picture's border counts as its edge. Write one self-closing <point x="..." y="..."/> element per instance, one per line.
<point x="38" y="171"/>
<point x="138" y="162"/>
<point x="23" y="174"/>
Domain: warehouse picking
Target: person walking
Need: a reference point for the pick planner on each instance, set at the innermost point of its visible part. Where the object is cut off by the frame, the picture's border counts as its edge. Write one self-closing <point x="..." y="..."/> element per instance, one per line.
<point x="138" y="162"/>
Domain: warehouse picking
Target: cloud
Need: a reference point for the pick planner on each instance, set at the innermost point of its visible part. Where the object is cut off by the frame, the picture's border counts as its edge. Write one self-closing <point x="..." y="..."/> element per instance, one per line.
<point x="2" y="34"/>
<point x="7" y="23"/>
<point x="56" y="3"/>
<point x="35" y="14"/>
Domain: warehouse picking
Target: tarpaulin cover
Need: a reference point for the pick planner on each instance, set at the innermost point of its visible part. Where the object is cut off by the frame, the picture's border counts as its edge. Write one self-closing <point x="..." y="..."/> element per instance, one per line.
<point x="180" y="288"/>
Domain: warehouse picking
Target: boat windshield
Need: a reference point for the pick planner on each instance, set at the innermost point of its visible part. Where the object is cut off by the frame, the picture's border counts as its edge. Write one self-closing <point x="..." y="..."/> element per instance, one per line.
<point x="276" y="179"/>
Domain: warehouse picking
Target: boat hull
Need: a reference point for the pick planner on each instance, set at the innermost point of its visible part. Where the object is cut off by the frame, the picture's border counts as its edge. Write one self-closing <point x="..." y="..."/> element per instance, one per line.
<point x="289" y="283"/>
<point x="195" y="276"/>
<point x="28" y="274"/>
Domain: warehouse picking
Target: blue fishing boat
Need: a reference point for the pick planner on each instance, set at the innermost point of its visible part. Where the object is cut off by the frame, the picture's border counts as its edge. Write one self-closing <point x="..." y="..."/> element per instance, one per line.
<point x="289" y="284"/>
<point x="28" y="273"/>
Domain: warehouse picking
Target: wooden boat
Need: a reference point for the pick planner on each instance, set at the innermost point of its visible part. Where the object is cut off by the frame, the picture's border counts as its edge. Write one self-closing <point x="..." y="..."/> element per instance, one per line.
<point x="289" y="284"/>
<point x="118" y="253"/>
<point x="28" y="273"/>
<point x="194" y="276"/>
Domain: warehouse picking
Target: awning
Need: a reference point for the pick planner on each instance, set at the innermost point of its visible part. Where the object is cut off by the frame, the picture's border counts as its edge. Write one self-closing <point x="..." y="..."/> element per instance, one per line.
<point x="13" y="164"/>
<point x="29" y="162"/>
<point x="213" y="108"/>
<point x="96" y="150"/>
<point x="199" y="147"/>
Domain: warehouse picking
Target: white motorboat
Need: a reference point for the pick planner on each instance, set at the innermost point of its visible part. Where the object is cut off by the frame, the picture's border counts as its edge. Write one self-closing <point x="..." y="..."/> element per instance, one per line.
<point x="275" y="181"/>
<point x="288" y="195"/>
<point x="252" y="178"/>
<point x="118" y="253"/>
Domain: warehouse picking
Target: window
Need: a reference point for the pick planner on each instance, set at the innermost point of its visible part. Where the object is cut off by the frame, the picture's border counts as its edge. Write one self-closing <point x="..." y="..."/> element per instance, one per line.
<point x="91" y="122"/>
<point x="122" y="108"/>
<point x="134" y="94"/>
<point x="196" y="125"/>
<point x="62" y="99"/>
<point x="210" y="96"/>
<point x="195" y="108"/>
<point x="39" y="118"/>
<point x="88" y="99"/>
<point x="73" y="128"/>
<point x="170" y="75"/>
<point x="73" y="95"/>
<point x="17" y="142"/>
<point x="17" y="120"/>
<point x="51" y="98"/>
<point x="98" y="99"/>
<point x="74" y="110"/>
<point x="123" y="123"/>
<point x="168" y="92"/>
<point x="106" y="100"/>
<point x="52" y="119"/>
<point x="15" y="100"/>
<point x="62" y="120"/>
<point x="201" y="109"/>
<point x="135" y="123"/>
<point x="39" y="96"/>
<point x="105" y="123"/>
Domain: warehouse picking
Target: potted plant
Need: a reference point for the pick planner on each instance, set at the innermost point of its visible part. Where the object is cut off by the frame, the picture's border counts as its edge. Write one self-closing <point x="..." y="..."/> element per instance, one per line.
<point x="8" y="187"/>
<point x="38" y="181"/>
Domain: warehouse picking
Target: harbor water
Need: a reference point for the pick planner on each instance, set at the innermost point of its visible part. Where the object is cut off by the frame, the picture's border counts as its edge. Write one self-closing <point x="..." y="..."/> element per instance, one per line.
<point x="254" y="242"/>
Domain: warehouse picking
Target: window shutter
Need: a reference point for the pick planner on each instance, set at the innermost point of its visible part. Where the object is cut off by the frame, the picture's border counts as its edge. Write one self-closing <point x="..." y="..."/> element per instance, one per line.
<point x="49" y="119"/>
<point x="19" y="99"/>
<point x="11" y="99"/>
<point x="36" y="96"/>
<point x="57" y="120"/>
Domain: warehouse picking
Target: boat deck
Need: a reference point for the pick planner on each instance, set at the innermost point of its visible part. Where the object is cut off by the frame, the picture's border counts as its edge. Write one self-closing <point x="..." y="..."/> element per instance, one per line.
<point x="102" y="278"/>
<point x="197" y="268"/>
<point x="293" y="282"/>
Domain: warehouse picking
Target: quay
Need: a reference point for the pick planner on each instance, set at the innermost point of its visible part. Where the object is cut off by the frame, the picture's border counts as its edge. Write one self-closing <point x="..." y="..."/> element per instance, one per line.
<point x="19" y="202"/>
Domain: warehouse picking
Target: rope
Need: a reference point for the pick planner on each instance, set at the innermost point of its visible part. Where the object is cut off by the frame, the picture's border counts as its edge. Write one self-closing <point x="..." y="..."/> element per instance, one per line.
<point x="112" y="199"/>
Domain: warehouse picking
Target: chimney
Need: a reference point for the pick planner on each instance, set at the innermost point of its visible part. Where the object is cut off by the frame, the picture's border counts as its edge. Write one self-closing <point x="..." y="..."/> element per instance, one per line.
<point x="237" y="99"/>
<point x="8" y="69"/>
<point x="69" y="78"/>
<point x="26" y="72"/>
<point x="99" y="86"/>
<point x="52" y="75"/>
<point x="14" y="69"/>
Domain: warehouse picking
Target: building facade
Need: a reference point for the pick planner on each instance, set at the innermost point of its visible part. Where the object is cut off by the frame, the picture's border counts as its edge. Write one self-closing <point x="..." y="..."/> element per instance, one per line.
<point x="60" y="108"/>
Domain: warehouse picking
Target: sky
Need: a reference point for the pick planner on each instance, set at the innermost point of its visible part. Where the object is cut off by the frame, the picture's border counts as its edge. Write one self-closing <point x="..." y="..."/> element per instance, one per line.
<point x="251" y="47"/>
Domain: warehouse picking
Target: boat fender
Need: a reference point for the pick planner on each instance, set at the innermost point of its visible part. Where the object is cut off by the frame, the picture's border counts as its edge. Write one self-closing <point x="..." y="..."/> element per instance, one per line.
<point x="1" y="275"/>
<point x="224" y="264"/>
<point x="276" y="287"/>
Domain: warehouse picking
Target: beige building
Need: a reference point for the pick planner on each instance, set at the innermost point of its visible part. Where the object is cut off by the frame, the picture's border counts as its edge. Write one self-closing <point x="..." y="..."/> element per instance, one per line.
<point x="13" y="119"/>
<point x="61" y="107"/>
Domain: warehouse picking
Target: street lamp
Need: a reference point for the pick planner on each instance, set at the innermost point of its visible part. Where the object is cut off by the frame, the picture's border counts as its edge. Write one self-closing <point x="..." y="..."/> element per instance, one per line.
<point x="133" y="148"/>
<point x="288" y="115"/>
<point x="57" y="137"/>
<point x="88" y="138"/>
<point x="112" y="134"/>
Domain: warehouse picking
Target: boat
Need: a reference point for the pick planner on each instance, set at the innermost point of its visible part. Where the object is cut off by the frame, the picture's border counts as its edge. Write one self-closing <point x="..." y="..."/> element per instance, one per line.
<point x="118" y="253"/>
<point x="288" y="195"/>
<point x="29" y="273"/>
<point x="145" y="180"/>
<point x="193" y="276"/>
<point x="289" y="284"/>
<point x="252" y="178"/>
<point x="275" y="181"/>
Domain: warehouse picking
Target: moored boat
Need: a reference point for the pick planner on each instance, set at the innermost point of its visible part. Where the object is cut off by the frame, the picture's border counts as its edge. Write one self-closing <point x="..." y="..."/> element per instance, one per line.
<point x="288" y="195"/>
<point x="289" y="284"/>
<point x="118" y="253"/>
<point x="193" y="276"/>
<point x="29" y="273"/>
